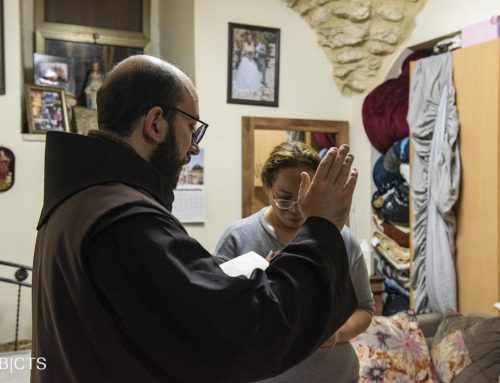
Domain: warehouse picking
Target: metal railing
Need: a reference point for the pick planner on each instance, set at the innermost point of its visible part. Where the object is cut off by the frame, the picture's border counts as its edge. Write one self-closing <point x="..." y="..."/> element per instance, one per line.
<point x="20" y="275"/>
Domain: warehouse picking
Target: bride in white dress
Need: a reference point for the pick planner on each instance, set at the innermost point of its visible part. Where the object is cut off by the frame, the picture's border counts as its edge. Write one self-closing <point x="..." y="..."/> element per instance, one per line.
<point x="248" y="77"/>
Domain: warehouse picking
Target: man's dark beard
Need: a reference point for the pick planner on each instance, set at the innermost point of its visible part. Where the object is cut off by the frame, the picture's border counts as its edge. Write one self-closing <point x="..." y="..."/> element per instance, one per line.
<point x="167" y="160"/>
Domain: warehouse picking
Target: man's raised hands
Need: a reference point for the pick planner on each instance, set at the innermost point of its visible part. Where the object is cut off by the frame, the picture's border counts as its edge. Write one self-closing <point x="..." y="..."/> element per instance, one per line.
<point x="329" y="193"/>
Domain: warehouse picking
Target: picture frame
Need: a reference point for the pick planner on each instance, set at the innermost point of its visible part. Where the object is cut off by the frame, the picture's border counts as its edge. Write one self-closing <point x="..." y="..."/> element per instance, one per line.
<point x="72" y="29"/>
<point x="7" y="169"/>
<point x="253" y="65"/>
<point x="56" y="71"/>
<point x="45" y="109"/>
<point x="2" y="51"/>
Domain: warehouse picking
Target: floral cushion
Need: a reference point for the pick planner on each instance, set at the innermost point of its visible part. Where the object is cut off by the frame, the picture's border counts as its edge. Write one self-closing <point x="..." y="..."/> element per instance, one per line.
<point x="466" y="348"/>
<point x="393" y="349"/>
<point x="450" y="356"/>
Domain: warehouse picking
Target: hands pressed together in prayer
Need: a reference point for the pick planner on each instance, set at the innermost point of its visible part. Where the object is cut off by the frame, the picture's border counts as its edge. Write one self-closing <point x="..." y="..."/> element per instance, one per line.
<point x="329" y="193"/>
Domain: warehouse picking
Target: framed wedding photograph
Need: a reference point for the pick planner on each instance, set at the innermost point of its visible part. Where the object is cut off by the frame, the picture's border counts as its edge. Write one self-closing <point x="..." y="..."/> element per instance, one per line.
<point x="253" y="65"/>
<point x="45" y="109"/>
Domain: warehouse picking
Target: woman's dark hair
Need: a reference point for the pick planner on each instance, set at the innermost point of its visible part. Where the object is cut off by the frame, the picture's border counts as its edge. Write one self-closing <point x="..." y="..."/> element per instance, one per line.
<point x="289" y="154"/>
<point x="132" y="87"/>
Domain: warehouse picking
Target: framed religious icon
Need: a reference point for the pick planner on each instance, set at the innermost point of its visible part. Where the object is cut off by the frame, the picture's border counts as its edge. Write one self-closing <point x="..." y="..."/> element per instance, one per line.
<point x="253" y="65"/>
<point x="7" y="168"/>
<point x="45" y="109"/>
<point x="94" y="34"/>
<point x="89" y="61"/>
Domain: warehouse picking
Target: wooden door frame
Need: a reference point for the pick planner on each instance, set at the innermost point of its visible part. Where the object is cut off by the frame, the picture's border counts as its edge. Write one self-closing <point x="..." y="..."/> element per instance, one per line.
<point x="250" y="124"/>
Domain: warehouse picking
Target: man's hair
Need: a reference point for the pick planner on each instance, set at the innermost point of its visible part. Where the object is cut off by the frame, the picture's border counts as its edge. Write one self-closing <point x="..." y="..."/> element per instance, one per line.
<point x="132" y="87"/>
<point x="289" y="154"/>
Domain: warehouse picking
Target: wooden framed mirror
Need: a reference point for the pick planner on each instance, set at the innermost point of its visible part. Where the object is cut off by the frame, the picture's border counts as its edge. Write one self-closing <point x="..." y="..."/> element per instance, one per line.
<point x="261" y="134"/>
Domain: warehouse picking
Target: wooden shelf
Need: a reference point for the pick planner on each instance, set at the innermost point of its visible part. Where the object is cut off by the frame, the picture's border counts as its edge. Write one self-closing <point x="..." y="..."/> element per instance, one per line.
<point x="377" y="286"/>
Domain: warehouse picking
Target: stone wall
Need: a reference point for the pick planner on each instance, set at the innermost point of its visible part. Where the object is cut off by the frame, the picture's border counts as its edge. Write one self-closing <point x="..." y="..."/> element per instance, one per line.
<point x="357" y="35"/>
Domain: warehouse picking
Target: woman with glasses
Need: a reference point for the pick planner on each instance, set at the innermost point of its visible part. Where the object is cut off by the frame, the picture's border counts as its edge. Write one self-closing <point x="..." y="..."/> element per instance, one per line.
<point x="270" y="230"/>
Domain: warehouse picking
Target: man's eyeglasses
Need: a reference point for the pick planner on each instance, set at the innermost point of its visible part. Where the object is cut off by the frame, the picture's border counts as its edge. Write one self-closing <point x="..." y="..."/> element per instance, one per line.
<point x="284" y="204"/>
<point x="199" y="129"/>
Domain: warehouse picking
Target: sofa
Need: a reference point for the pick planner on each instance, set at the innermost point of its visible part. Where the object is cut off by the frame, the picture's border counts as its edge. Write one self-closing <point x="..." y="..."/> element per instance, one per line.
<point x="429" y="348"/>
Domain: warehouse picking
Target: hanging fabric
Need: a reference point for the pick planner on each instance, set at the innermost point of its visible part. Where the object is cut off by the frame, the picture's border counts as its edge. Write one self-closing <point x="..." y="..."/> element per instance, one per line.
<point x="435" y="183"/>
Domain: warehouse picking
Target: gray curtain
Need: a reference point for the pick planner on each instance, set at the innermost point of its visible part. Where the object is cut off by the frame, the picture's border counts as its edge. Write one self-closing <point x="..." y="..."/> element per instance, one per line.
<point x="435" y="182"/>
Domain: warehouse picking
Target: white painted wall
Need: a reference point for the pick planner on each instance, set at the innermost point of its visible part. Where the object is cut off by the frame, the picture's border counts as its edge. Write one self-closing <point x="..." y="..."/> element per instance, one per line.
<point x="175" y="23"/>
<point x="306" y="91"/>
<point x="20" y="206"/>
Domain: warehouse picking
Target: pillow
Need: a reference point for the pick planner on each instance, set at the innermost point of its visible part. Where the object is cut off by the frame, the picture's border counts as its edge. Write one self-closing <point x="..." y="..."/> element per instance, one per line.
<point x="467" y="348"/>
<point x="393" y="349"/>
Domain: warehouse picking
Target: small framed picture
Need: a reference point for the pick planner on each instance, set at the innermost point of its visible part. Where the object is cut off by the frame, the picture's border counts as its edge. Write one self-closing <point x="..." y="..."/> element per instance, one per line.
<point x="45" y="109"/>
<point x="253" y="65"/>
<point x="54" y="71"/>
<point x="7" y="168"/>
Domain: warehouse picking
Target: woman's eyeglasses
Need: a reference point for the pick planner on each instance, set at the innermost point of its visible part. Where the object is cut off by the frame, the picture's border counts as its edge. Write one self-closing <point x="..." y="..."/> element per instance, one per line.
<point x="284" y="204"/>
